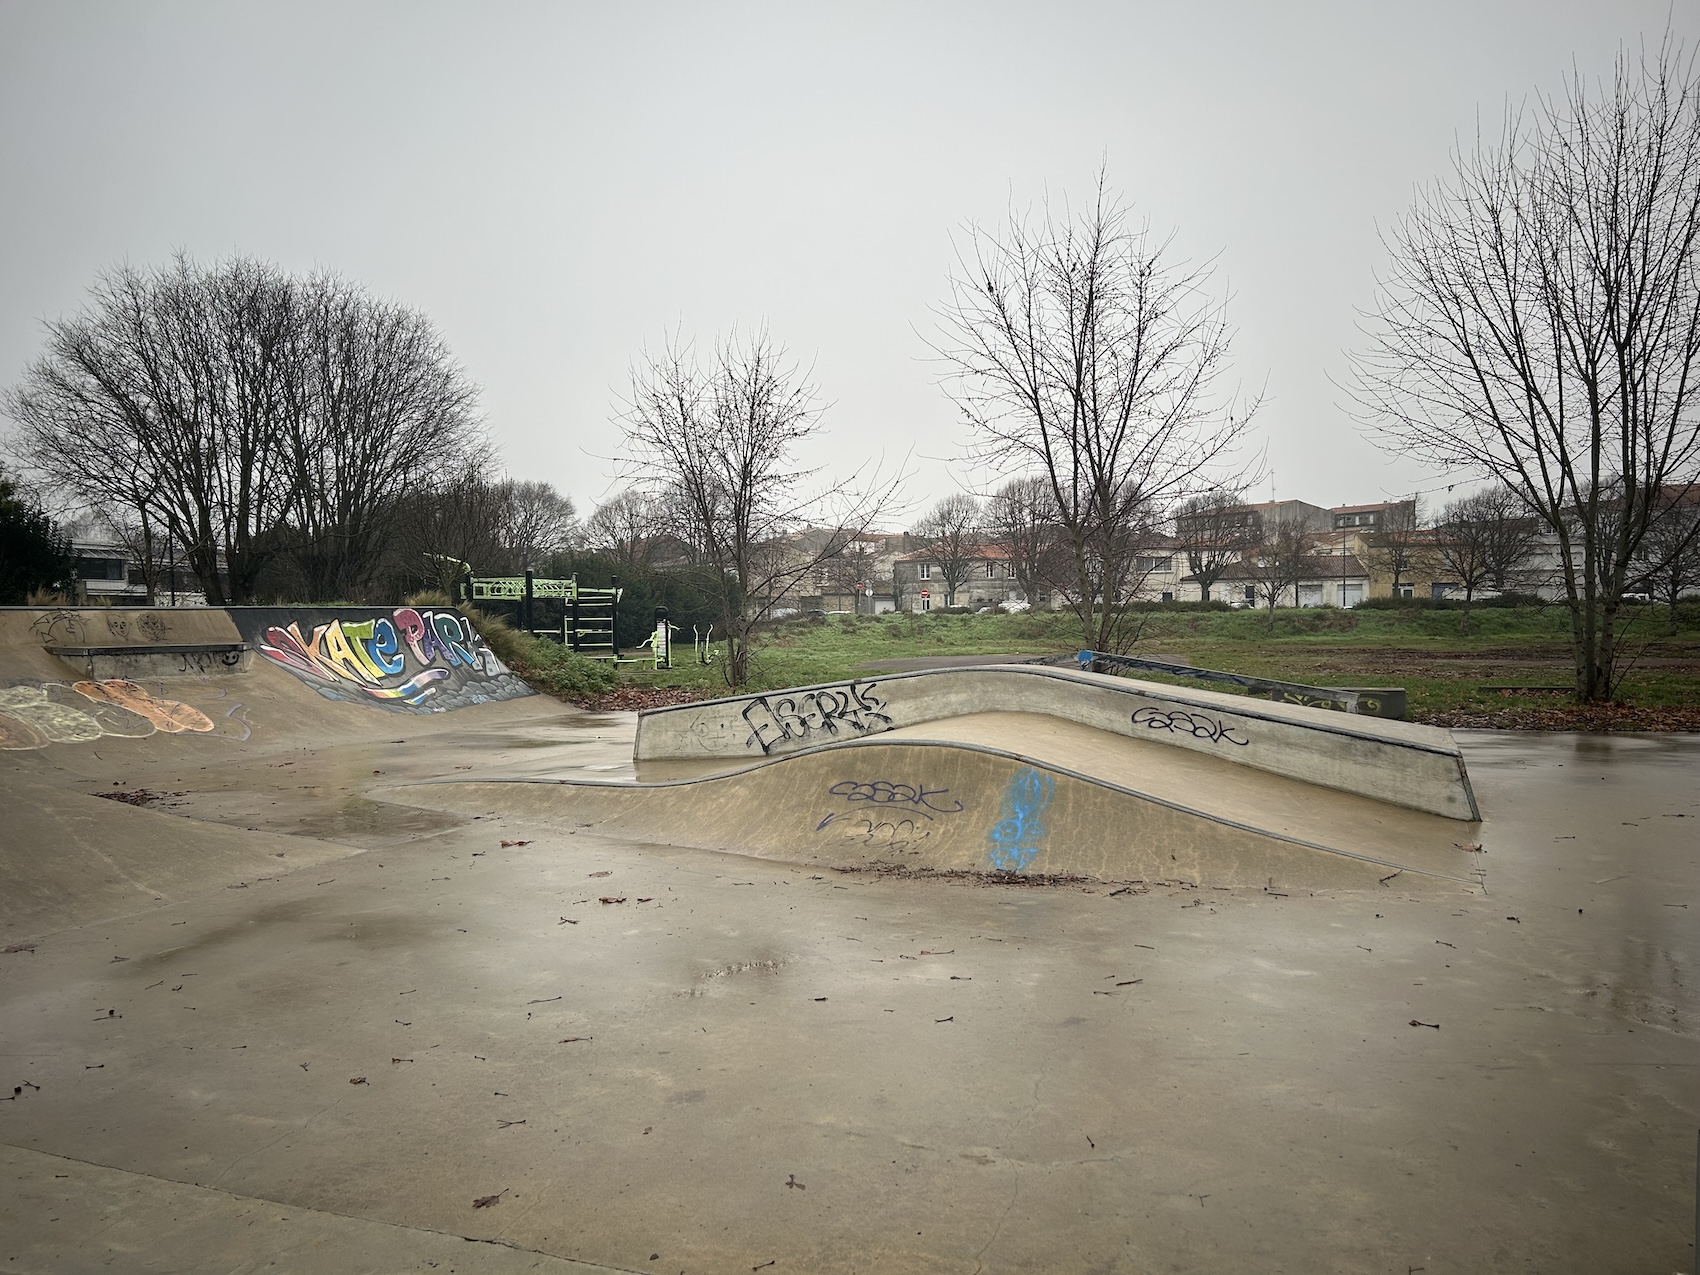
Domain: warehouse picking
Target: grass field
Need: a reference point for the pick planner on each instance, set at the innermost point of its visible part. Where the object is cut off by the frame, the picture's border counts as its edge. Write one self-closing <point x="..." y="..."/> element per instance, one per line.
<point x="1421" y="650"/>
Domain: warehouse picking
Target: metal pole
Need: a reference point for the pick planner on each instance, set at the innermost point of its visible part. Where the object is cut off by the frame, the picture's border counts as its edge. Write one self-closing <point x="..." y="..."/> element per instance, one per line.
<point x="614" y="616"/>
<point x="530" y="580"/>
<point x="572" y="612"/>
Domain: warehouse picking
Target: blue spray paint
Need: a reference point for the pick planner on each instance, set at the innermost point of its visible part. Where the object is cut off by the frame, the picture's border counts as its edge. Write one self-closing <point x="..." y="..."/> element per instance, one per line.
<point x="1016" y="837"/>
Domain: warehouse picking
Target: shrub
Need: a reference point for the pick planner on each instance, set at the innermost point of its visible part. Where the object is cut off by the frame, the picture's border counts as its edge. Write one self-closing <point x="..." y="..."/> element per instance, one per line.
<point x="561" y="671"/>
<point x="1452" y="604"/>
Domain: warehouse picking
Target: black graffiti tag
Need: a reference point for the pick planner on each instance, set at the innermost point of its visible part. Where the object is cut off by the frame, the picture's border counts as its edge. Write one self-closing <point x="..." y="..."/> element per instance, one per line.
<point x="855" y="708"/>
<point x="883" y="792"/>
<point x="1184" y="723"/>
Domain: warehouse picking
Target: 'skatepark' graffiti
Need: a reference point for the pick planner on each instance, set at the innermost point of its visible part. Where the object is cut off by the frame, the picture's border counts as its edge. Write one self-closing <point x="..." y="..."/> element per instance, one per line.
<point x="405" y="659"/>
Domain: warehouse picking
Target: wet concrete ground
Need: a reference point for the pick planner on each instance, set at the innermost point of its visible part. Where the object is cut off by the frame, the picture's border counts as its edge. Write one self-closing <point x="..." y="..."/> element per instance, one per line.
<point x="739" y="1064"/>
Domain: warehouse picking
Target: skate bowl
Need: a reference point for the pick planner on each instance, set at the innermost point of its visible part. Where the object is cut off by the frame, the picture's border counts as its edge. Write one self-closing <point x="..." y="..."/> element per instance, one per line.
<point x="164" y="706"/>
<point x="1397" y="763"/>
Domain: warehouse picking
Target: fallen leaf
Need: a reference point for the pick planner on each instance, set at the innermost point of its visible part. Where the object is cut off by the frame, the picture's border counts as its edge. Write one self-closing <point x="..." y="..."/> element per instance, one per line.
<point x="1415" y="1023"/>
<point x="606" y="872"/>
<point x="489" y="1201"/>
<point x="506" y="844"/>
<point x="359" y="1080"/>
<point x="608" y="899"/>
<point x="17" y="947"/>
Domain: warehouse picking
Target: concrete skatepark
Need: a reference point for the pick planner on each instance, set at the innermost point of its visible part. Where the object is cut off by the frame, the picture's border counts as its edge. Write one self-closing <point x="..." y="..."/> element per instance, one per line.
<point x="975" y="970"/>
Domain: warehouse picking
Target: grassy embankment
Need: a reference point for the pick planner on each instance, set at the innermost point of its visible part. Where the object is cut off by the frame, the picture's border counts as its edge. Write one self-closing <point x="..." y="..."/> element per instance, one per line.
<point x="1422" y="650"/>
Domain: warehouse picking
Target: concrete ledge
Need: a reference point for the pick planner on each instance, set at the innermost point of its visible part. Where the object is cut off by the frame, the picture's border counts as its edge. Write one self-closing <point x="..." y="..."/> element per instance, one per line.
<point x="1419" y="767"/>
<point x="179" y="659"/>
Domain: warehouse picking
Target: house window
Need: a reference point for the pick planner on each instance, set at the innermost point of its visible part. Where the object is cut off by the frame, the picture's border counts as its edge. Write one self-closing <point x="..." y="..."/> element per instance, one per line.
<point x="100" y="568"/>
<point x="926" y="571"/>
<point x="926" y="603"/>
<point x="1168" y="596"/>
<point x="1251" y="593"/>
<point x="991" y="570"/>
<point x="1154" y="564"/>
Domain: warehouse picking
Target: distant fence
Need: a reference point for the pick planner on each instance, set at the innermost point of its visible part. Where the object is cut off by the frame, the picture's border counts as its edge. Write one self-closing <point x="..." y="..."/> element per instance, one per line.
<point x="1386" y="702"/>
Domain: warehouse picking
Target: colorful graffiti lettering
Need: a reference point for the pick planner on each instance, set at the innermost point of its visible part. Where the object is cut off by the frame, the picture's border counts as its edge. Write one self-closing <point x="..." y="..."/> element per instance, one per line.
<point x="794" y="717"/>
<point x="1015" y="837"/>
<point x="370" y="657"/>
<point x="36" y="716"/>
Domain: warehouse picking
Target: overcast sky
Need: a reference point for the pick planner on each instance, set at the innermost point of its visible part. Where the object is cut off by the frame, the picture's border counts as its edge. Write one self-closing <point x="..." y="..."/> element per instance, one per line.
<point x="557" y="185"/>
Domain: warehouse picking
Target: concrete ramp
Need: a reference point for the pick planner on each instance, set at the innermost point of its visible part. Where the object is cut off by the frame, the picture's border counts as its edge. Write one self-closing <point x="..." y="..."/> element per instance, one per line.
<point x="1071" y="800"/>
<point x="164" y="704"/>
<point x="76" y="677"/>
<point x="1394" y="762"/>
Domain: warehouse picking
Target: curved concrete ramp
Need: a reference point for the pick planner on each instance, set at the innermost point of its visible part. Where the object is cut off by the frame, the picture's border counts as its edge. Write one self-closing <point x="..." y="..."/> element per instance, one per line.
<point x="1419" y="767"/>
<point x="966" y="805"/>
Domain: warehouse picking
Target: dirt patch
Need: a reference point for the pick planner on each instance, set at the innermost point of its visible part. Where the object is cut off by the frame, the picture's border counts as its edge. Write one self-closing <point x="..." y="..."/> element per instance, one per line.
<point x="137" y="796"/>
<point x="634" y="699"/>
<point x="1569" y="717"/>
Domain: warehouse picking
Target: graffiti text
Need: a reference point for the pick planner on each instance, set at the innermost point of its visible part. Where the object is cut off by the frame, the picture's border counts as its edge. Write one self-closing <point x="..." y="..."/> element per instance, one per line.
<point x="773" y="721"/>
<point x="1184" y="723"/>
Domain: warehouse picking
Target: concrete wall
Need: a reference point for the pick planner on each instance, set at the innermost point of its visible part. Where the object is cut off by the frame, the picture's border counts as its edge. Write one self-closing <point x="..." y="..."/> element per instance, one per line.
<point x="1406" y="765"/>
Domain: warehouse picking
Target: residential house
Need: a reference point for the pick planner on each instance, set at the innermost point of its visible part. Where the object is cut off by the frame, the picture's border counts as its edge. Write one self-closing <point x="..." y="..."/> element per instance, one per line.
<point x="918" y="582"/>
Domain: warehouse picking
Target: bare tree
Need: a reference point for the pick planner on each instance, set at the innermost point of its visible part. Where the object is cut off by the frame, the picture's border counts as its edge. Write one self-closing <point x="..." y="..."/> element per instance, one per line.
<point x="952" y="536"/>
<point x="1077" y="349"/>
<point x="1671" y="553"/>
<point x="539" y="521"/>
<point x="852" y="571"/>
<point x="1397" y="543"/>
<point x="168" y="394"/>
<point x="1215" y="529"/>
<point x="722" y="436"/>
<point x="1021" y="522"/>
<point x="1467" y="543"/>
<point x="441" y="534"/>
<point x="385" y="411"/>
<point x="244" y="414"/>
<point x="1277" y="562"/>
<point x="623" y="527"/>
<point x="1540" y="324"/>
